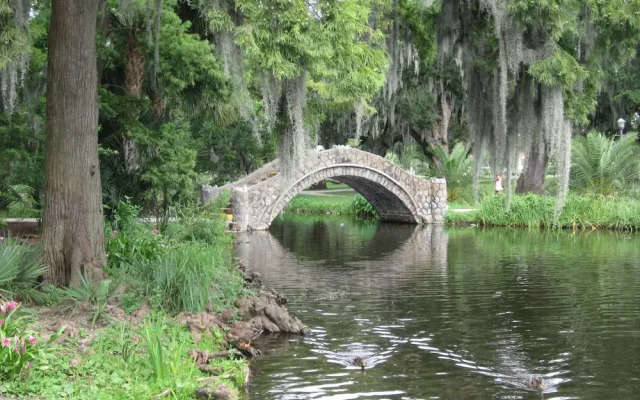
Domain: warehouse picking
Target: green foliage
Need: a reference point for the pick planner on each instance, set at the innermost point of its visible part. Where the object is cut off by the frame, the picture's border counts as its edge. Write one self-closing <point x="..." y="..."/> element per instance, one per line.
<point x="157" y="364"/>
<point x="456" y="168"/>
<point x="20" y="267"/>
<point x="126" y="238"/>
<point x="189" y="268"/>
<point x="361" y="208"/>
<point x="312" y="204"/>
<point x="171" y="171"/>
<point x="205" y="224"/>
<point x="601" y="166"/>
<point x="94" y="294"/>
<point x="191" y="277"/>
<point x="19" y="347"/>
<point x="535" y="211"/>
<point x="19" y="202"/>
<point x="116" y="365"/>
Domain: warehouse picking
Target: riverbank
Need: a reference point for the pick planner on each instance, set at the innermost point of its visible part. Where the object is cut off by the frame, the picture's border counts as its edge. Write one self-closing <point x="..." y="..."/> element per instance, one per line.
<point x="148" y="353"/>
<point x="174" y="316"/>
<point x="533" y="211"/>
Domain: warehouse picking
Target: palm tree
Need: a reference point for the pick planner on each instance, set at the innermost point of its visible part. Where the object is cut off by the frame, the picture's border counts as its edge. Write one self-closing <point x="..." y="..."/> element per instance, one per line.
<point x="602" y="166"/>
<point x="456" y="167"/>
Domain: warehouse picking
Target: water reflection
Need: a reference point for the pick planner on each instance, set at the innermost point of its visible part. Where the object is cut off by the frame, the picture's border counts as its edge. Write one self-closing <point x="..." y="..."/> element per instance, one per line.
<point x="448" y="313"/>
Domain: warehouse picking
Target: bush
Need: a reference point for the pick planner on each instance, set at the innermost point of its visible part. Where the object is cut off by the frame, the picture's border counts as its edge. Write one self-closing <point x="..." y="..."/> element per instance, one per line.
<point x="126" y="238"/>
<point x="456" y="168"/>
<point x="205" y="224"/>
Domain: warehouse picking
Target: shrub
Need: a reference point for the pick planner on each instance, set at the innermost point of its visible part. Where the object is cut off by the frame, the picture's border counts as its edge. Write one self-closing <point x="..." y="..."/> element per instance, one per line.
<point x="126" y="238"/>
<point x="537" y="211"/>
<point x="19" y="201"/>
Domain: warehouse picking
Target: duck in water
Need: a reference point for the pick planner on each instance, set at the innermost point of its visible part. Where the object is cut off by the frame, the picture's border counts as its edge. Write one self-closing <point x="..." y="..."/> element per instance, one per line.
<point x="359" y="362"/>
<point x="536" y="382"/>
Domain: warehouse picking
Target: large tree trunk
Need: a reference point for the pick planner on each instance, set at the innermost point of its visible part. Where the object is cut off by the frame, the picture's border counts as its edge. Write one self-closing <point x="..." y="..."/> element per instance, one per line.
<point x="73" y="232"/>
<point x="532" y="178"/>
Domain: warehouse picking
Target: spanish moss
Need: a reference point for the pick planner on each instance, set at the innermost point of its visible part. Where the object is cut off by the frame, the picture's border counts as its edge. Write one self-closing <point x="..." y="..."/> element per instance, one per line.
<point x="293" y="140"/>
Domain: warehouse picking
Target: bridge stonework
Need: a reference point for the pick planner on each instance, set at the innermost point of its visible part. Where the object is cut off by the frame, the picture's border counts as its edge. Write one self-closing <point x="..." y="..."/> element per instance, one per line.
<point x="394" y="193"/>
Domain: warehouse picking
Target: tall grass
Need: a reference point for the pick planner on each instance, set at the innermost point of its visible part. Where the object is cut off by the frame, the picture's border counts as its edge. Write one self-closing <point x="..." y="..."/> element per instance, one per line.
<point x="537" y="212"/>
<point x="191" y="277"/>
<point x="188" y="267"/>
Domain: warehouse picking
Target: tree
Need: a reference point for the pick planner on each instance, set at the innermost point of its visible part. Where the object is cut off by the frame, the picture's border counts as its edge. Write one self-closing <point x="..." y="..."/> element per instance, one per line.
<point x="73" y="231"/>
<point x="296" y="50"/>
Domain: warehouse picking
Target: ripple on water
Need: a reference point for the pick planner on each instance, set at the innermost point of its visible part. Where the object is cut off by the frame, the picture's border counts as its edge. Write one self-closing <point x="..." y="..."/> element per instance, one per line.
<point x="451" y="315"/>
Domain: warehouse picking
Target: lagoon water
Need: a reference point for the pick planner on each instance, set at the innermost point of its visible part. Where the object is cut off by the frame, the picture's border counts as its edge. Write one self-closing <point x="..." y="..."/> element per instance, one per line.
<point x="448" y="313"/>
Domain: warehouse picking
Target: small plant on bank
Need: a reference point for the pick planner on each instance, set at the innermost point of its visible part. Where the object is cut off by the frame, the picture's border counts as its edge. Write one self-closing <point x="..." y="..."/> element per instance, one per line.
<point x="126" y="238"/>
<point x="94" y="294"/>
<point x="20" y="267"/>
<point x="361" y="208"/>
<point x="19" y="348"/>
<point x="535" y="211"/>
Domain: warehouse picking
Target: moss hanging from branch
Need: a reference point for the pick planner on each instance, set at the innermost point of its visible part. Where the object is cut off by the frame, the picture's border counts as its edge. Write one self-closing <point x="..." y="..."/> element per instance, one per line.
<point x="14" y="50"/>
<point x="293" y="135"/>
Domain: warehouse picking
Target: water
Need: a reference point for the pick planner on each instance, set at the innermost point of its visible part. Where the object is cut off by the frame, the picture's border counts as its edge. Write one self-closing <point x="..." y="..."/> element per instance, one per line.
<point x="441" y="313"/>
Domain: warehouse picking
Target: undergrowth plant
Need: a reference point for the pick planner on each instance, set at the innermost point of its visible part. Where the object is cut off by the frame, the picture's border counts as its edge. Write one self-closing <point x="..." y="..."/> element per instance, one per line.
<point x="361" y="208"/>
<point x="20" y="267"/>
<point x="94" y="294"/>
<point x="19" y="347"/>
<point x="125" y="362"/>
<point x="192" y="277"/>
<point x="533" y="211"/>
<point x="455" y="167"/>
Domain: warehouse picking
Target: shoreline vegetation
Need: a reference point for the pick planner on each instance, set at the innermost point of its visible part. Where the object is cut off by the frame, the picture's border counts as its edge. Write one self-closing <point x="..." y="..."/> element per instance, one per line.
<point x="530" y="211"/>
<point x="174" y="316"/>
<point x="534" y="211"/>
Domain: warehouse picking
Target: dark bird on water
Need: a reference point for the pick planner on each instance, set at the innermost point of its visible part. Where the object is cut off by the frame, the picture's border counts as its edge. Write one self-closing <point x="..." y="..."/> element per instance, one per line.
<point x="536" y="382"/>
<point x="359" y="362"/>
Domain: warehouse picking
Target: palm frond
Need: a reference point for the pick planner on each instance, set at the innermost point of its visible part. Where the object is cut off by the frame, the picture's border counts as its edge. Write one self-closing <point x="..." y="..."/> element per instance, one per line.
<point x="602" y="166"/>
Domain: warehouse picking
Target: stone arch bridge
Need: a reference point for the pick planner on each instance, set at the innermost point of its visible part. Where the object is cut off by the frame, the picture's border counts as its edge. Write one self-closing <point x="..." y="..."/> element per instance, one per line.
<point x="394" y="193"/>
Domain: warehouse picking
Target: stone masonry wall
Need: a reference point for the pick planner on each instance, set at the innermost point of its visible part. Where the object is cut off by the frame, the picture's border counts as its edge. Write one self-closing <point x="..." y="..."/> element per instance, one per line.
<point x="395" y="194"/>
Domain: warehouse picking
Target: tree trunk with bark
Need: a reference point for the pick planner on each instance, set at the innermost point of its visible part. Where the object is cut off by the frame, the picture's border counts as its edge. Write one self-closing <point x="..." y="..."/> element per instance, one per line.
<point x="73" y="232"/>
<point x="532" y="178"/>
<point x="133" y="78"/>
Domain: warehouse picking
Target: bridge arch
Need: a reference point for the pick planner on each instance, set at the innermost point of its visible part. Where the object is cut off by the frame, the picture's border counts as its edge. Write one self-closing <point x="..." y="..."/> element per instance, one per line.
<point x="391" y="200"/>
<point x="396" y="194"/>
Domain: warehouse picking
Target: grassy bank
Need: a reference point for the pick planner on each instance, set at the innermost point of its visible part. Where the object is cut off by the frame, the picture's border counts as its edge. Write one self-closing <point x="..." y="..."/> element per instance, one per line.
<point x="346" y="203"/>
<point x="538" y="212"/>
<point x="123" y="337"/>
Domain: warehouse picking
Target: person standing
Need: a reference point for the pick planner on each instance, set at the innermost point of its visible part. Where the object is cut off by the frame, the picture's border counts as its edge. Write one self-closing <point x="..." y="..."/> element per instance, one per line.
<point x="498" y="184"/>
